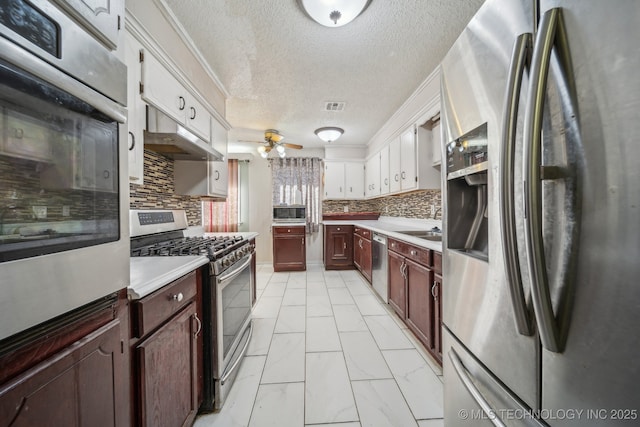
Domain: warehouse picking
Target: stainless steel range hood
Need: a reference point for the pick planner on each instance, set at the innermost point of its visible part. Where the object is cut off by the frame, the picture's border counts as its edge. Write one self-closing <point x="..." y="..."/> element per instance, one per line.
<point x="167" y="137"/>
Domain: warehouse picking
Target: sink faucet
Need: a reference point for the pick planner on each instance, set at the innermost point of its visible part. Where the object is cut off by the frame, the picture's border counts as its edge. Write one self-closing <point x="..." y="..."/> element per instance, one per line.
<point x="435" y="213"/>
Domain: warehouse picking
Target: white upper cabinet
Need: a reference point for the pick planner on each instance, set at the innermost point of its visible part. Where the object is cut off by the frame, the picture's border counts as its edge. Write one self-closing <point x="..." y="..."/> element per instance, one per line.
<point x="385" y="180"/>
<point x="372" y="176"/>
<point x="408" y="160"/>
<point x="436" y="143"/>
<point x="343" y="180"/>
<point x="394" y="165"/>
<point x="136" y="119"/>
<point x="218" y="171"/>
<point x="333" y="180"/>
<point x="103" y="18"/>
<point x="354" y="180"/>
<point x="163" y="90"/>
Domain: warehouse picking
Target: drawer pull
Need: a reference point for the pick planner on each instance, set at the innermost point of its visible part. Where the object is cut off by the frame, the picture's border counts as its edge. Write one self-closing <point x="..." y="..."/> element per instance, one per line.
<point x="288" y="230"/>
<point x="177" y="297"/>
<point x="414" y="253"/>
<point x="338" y="228"/>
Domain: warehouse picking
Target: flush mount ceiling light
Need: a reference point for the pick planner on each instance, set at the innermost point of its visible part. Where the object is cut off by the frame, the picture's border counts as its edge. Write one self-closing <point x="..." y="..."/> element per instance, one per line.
<point x="333" y="13"/>
<point x="329" y="134"/>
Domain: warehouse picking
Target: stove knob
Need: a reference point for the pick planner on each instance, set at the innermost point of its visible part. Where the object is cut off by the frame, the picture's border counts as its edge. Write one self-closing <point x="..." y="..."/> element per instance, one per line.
<point x="226" y="262"/>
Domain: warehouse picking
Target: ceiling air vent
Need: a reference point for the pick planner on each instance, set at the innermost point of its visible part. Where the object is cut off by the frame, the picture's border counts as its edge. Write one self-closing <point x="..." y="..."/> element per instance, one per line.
<point x="334" y="106"/>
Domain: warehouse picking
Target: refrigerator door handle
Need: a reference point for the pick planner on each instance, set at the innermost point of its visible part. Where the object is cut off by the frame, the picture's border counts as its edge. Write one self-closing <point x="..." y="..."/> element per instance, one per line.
<point x="465" y="377"/>
<point x="520" y="61"/>
<point x="551" y="34"/>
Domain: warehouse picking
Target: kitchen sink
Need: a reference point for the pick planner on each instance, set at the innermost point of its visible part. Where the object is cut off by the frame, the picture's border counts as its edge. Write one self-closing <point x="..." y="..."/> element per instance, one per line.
<point x="434" y="236"/>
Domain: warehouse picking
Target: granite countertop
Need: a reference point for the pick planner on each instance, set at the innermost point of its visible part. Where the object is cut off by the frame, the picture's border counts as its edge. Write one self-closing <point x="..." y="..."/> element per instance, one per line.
<point x="150" y="273"/>
<point x="244" y="234"/>
<point x="390" y="227"/>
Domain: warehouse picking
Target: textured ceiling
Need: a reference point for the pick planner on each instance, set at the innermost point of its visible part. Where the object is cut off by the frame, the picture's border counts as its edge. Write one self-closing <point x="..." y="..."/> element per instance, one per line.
<point x="280" y="67"/>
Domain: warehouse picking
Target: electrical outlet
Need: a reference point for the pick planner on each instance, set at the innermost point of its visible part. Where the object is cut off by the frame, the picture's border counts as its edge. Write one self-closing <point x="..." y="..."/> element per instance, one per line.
<point x="40" y="212"/>
<point x="433" y="210"/>
<point x="346" y="208"/>
<point x="66" y="211"/>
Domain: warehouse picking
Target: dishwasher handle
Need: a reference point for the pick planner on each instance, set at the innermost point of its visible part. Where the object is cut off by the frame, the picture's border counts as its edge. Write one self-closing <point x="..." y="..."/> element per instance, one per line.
<point x="380" y="238"/>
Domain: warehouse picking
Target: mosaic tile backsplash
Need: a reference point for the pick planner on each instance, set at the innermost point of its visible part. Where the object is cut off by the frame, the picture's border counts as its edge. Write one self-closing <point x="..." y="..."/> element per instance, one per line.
<point x="22" y="188"/>
<point x="158" y="189"/>
<point x="416" y="204"/>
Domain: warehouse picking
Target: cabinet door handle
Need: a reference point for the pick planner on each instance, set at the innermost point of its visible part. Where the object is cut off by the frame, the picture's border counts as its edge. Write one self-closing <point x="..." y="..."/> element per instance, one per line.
<point x="344" y="245"/>
<point x="133" y="141"/>
<point x="181" y="103"/>
<point x="302" y="242"/>
<point x="433" y="290"/>
<point x="404" y="175"/>
<point x="177" y="297"/>
<point x="338" y="228"/>
<point x="217" y="175"/>
<point x="288" y="230"/>
<point x="386" y="181"/>
<point x="341" y="189"/>
<point x="396" y="178"/>
<point x="193" y="113"/>
<point x="195" y="316"/>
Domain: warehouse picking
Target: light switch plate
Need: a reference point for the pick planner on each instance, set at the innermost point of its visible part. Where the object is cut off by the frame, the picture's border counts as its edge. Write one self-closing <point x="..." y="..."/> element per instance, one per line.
<point x="40" y="212"/>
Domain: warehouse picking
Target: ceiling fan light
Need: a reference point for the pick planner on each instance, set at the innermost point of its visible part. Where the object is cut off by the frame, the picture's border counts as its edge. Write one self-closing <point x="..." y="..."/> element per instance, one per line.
<point x="333" y="13"/>
<point x="261" y="149"/>
<point x="329" y="134"/>
<point x="264" y="154"/>
<point x="280" y="149"/>
<point x="282" y="154"/>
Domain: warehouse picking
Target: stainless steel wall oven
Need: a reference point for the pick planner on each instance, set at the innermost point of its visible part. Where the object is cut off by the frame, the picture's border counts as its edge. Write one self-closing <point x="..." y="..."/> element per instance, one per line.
<point x="63" y="222"/>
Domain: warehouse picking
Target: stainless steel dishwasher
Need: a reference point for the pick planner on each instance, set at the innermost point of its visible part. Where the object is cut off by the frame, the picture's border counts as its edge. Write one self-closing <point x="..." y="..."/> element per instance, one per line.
<point x="379" y="271"/>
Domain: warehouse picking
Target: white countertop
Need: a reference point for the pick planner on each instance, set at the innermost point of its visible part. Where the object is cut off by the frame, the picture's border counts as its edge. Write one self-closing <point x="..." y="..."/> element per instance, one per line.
<point x="289" y="224"/>
<point x="150" y="273"/>
<point x="390" y="226"/>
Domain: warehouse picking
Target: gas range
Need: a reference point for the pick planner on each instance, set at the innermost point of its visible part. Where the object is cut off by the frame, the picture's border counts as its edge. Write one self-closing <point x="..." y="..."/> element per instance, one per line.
<point x="160" y="233"/>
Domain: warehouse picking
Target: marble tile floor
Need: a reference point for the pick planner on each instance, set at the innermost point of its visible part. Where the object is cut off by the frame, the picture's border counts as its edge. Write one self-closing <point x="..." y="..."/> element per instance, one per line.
<point x="326" y="352"/>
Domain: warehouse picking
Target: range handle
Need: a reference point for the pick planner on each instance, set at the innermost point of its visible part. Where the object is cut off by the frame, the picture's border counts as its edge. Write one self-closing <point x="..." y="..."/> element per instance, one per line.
<point x="520" y="61"/>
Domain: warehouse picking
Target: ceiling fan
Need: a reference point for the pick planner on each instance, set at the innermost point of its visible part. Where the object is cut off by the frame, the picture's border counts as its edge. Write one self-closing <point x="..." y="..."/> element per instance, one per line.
<point x="273" y="139"/>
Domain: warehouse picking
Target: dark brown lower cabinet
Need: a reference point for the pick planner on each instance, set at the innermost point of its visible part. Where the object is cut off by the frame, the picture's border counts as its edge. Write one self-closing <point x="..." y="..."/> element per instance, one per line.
<point x="83" y="384"/>
<point x="164" y="353"/>
<point x="415" y="292"/>
<point x="289" y="248"/>
<point x="397" y="291"/>
<point x="436" y="291"/>
<point x="167" y="373"/>
<point x="338" y="247"/>
<point x="419" y="302"/>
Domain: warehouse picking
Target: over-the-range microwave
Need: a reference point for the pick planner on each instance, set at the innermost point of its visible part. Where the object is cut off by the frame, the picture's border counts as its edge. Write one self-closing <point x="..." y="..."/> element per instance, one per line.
<point x="290" y="213"/>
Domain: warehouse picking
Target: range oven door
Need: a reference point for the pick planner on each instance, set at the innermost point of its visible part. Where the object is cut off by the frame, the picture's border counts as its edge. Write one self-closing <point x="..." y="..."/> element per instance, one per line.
<point x="233" y="324"/>
<point x="63" y="194"/>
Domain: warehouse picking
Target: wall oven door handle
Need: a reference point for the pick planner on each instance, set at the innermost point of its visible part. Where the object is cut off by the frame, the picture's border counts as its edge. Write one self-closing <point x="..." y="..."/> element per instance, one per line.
<point x="520" y="60"/>
<point x="236" y="271"/>
<point x="239" y="358"/>
<point x="11" y="53"/>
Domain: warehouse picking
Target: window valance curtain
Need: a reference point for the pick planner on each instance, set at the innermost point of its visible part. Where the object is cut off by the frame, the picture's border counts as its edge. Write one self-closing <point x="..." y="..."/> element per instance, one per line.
<point x="297" y="181"/>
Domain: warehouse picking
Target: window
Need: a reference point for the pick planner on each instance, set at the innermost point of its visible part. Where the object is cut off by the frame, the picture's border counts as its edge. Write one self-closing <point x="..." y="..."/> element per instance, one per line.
<point x="297" y="181"/>
<point x="231" y="214"/>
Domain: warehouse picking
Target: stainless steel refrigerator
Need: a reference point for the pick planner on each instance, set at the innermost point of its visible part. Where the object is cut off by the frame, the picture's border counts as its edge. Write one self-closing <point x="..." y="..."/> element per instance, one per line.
<point x="541" y="132"/>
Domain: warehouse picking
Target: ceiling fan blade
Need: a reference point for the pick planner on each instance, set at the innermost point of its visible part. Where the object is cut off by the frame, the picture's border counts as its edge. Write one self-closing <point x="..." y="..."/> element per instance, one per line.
<point x="267" y="149"/>
<point x="294" y="146"/>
